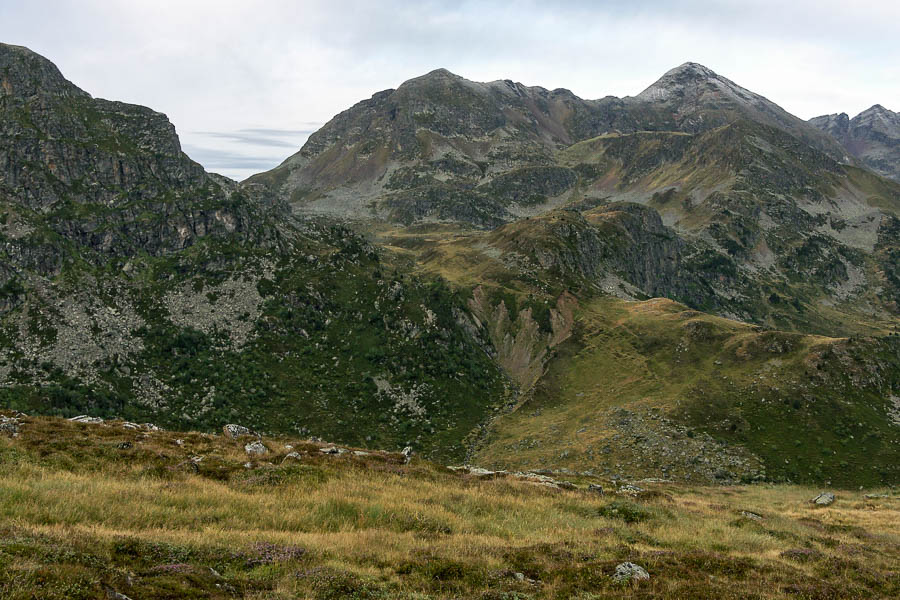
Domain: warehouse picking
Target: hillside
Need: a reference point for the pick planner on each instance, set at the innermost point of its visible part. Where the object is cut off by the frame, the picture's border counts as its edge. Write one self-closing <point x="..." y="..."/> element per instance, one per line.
<point x="120" y="510"/>
<point x="137" y="285"/>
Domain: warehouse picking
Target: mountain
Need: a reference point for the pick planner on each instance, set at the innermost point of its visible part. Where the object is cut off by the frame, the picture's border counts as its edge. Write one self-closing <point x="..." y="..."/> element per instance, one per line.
<point x="750" y="195"/>
<point x="136" y="284"/>
<point x="872" y="136"/>
<point x="441" y="147"/>
<point x="487" y="272"/>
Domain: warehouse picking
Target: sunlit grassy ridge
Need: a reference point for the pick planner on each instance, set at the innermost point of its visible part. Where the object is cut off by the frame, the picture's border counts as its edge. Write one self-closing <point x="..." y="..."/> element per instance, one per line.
<point x="82" y="512"/>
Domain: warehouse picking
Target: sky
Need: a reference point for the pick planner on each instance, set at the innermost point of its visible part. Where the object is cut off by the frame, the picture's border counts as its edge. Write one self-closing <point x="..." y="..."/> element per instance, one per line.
<point x="245" y="82"/>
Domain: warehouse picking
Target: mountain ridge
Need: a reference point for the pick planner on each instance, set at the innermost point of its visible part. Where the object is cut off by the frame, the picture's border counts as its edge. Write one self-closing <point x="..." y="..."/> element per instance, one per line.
<point x="872" y="136"/>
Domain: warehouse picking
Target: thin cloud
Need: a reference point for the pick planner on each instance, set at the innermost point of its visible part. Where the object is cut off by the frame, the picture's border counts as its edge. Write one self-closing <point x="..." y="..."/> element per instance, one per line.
<point x="215" y="158"/>
<point x="277" y="138"/>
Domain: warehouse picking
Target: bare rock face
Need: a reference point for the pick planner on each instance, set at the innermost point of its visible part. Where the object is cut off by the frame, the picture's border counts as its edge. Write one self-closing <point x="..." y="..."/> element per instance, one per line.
<point x="441" y="147"/>
<point x="872" y="136"/>
<point x="107" y="176"/>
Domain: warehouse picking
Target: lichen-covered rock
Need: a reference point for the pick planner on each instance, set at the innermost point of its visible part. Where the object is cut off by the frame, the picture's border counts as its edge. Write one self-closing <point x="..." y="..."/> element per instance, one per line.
<point x="256" y="448"/>
<point x="629" y="571"/>
<point x="232" y="431"/>
<point x="9" y="426"/>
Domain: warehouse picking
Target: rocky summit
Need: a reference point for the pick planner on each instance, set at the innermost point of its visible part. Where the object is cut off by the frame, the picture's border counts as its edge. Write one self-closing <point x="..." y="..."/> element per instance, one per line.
<point x="689" y="284"/>
<point x="872" y="137"/>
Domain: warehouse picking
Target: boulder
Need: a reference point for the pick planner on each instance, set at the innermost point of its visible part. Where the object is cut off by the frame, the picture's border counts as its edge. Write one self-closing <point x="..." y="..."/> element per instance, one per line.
<point x="86" y="419"/>
<point x="597" y="489"/>
<point x="232" y="431"/>
<point x="479" y="472"/>
<point x="9" y="426"/>
<point x="628" y="571"/>
<point x="256" y="448"/>
<point x="332" y="450"/>
<point x="630" y="489"/>
<point x="407" y="453"/>
<point x="823" y="499"/>
<point x="291" y="455"/>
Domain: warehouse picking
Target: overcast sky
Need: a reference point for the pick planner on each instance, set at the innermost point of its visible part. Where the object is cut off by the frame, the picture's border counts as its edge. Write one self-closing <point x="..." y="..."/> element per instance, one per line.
<point x="245" y="82"/>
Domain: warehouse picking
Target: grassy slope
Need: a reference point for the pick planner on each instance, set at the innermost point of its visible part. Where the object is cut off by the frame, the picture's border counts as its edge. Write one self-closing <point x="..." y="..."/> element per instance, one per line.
<point x="80" y="514"/>
<point x="780" y="396"/>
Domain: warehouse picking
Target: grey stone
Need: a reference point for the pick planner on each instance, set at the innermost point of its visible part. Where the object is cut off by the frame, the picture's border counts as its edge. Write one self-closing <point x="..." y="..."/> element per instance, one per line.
<point x="232" y="431"/>
<point x="628" y="571"/>
<point x="9" y="426"/>
<point x="86" y="419"/>
<point x="823" y="499"/>
<point x="256" y="448"/>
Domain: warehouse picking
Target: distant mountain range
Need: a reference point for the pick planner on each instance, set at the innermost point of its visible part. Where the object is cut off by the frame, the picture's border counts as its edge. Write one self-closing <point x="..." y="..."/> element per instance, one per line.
<point x="689" y="283"/>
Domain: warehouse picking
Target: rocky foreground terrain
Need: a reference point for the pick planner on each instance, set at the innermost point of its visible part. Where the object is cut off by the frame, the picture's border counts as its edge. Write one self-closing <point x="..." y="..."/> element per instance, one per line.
<point x="690" y="284"/>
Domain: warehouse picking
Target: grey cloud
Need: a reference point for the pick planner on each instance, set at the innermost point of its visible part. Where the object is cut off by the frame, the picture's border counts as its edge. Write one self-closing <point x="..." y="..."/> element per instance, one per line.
<point x="261" y="137"/>
<point x="215" y="158"/>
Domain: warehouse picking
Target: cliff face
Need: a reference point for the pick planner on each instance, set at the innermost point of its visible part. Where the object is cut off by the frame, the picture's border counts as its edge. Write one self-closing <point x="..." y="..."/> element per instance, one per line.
<point x="107" y="176"/>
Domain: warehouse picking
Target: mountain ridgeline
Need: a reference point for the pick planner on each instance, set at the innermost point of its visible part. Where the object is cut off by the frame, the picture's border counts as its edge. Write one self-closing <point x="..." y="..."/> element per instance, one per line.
<point x="689" y="283"/>
<point x="872" y="136"/>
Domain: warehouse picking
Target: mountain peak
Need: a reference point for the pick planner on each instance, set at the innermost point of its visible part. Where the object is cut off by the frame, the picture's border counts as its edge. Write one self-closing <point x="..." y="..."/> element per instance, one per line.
<point x="440" y="73"/>
<point x="24" y="73"/>
<point x="675" y="81"/>
<point x="692" y="68"/>
<point x="876" y="110"/>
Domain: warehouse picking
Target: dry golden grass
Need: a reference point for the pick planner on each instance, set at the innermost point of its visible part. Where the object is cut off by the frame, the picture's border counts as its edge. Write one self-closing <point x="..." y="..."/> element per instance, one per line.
<point x="81" y="515"/>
